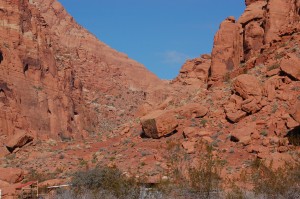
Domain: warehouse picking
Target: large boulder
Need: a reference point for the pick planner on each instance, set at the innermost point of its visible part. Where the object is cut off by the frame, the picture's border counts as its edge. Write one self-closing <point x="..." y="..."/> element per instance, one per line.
<point x="243" y="134"/>
<point x="19" y="139"/>
<point x="235" y="115"/>
<point x="11" y="175"/>
<point x="233" y="109"/>
<point x="272" y="84"/>
<point x="291" y="66"/>
<point x="246" y="99"/>
<point x="159" y="123"/>
<point x="247" y="86"/>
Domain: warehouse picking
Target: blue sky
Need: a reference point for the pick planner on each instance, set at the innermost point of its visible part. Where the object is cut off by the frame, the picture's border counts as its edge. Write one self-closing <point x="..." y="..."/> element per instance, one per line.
<point x="161" y="34"/>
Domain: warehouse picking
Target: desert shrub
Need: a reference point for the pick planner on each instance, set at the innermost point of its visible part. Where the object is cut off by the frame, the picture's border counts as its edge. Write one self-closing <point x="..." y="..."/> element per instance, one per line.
<point x="200" y="181"/>
<point x="279" y="55"/>
<point x="34" y="175"/>
<point x="235" y="193"/>
<point x="275" y="183"/>
<point x="203" y="122"/>
<point x="274" y="66"/>
<point x="87" y="194"/>
<point x="108" y="180"/>
<point x="226" y="77"/>
<point x="205" y="178"/>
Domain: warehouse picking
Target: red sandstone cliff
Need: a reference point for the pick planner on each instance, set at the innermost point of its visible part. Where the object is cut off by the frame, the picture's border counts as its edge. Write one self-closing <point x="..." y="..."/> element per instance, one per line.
<point x="262" y="23"/>
<point x="58" y="80"/>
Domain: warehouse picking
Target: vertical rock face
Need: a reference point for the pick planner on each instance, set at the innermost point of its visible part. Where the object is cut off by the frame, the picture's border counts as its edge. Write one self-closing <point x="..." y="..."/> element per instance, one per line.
<point x="35" y="95"/>
<point x="252" y="21"/>
<point x="227" y="51"/>
<point x="281" y="13"/>
<point x="57" y="79"/>
<point x="262" y="22"/>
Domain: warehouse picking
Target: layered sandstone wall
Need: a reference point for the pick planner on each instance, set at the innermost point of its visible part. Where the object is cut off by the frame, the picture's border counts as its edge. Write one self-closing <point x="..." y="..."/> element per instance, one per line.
<point x="58" y="80"/>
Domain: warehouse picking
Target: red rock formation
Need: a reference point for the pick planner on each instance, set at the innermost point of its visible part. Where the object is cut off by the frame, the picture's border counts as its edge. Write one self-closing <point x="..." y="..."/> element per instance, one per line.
<point x="227" y="51"/>
<point x="252" y="22"/>
<point x="18" y="140"/>
<point x="263" y="22"/>
<point x="58" y="80"/>
<point x="281" y="15"/>
<point x="195" y="71"/>
<point x="291" y="66"/>
<point x="159" y="123"/>
<point x="11" y="175"/>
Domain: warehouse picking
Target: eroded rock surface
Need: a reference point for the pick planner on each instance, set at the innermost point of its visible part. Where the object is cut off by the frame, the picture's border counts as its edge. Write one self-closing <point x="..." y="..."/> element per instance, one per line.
<point x="59" y="81"/>
<point x="227" y="51"/>
<point x="159" y="123"/>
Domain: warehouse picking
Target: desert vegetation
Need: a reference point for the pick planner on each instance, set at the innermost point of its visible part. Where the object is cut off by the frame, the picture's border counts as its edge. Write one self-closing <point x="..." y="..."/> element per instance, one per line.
<point x="202" y="180"/>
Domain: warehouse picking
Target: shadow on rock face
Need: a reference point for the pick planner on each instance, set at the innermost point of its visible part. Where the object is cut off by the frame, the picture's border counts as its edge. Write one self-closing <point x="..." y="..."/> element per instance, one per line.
<point x="1" y="57"/>
<point x="294" y="136"/>
<point x="144" y="136"/>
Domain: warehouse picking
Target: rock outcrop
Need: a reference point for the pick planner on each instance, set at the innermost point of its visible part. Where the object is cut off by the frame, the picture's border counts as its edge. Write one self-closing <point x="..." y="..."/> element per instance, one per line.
<point x="195" y="72"/>
<point x="18" y="140"/>
<point x="262" y="23"/>
<point x="281" y="15"/>
<point x="246" y="98"/>
<point x="159" y="123"/>
<point x="252" y="22"/>
<point x="59" y="81"/>
<point x="228" y="49"/>
<point x="11" y="175"/>
<point x="291" y="66"/>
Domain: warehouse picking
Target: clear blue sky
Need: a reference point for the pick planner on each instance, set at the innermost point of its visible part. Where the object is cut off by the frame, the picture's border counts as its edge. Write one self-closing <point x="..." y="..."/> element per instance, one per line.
<point x="161" y="34"/>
